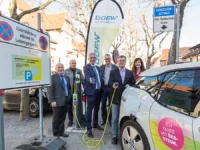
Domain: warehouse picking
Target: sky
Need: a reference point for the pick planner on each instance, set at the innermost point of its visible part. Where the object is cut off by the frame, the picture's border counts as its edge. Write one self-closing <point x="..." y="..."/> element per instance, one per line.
<point x="190" y="30"/>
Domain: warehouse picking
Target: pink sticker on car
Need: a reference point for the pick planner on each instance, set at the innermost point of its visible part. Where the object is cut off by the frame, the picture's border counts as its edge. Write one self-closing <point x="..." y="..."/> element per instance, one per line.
<point x="171" y="133"/>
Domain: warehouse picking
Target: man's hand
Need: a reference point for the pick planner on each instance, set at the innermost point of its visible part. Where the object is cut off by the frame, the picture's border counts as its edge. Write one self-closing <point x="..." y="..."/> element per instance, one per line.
<point x="115" y="85"/>
<point x="53" y="104"/>
<point x="91" y="80"/>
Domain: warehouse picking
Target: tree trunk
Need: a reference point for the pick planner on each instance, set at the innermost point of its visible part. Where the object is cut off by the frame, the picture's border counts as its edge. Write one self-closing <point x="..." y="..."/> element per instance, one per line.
<point x="148" y="64"/>
<point x="172" y="51"/>
<point x="24" y="106"/>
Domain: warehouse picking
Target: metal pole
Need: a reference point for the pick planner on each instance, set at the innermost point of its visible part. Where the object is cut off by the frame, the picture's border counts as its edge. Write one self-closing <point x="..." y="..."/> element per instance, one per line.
<point x="177" y="31"/>
<point x="79" y="110"/>
<point x="40" y="90"/>
<point x="41" y="114"/>
<point x="2" y="146"/>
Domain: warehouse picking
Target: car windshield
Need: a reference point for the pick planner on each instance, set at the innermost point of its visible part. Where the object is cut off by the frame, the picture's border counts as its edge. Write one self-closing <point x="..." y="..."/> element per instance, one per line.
<point x="147" y="83"/>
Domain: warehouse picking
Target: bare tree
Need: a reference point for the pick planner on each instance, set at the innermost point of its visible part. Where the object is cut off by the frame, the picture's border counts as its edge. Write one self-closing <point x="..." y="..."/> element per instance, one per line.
<point x="149" y="38"/>
<point x="172" y="51"/>
<point x="24" y="106"/>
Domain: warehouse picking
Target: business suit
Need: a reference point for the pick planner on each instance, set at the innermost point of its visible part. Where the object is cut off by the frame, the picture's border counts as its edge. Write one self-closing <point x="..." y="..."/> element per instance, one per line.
<point x="115" y="76"/>
<point x="57" y="93"/>
<point x="71" y="74"/>
<point x="106" y="92"/>
<point x="93" y="94"/>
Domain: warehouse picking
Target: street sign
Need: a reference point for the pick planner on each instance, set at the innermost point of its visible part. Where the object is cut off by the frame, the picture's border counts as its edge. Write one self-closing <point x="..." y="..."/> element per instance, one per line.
<point x="164" y="19"/>
<point x="25" y="56"/>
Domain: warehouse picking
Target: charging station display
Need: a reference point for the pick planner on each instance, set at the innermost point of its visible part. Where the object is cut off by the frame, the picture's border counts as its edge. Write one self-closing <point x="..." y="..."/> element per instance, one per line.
<point x="25" y="56"/>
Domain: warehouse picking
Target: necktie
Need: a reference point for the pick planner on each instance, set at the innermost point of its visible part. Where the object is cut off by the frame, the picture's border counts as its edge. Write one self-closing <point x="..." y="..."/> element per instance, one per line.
<point x="98" y="84"/>
<point x="63" y="83"/>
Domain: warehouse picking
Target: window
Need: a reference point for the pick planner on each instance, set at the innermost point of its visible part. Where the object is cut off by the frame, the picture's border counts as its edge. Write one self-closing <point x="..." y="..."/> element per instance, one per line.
<point x="150" y="84"/>
<point x="180" y="91"/>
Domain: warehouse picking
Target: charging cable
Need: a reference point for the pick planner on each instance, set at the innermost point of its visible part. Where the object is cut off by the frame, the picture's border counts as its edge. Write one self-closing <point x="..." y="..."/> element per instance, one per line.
<point x="95" y="143"/>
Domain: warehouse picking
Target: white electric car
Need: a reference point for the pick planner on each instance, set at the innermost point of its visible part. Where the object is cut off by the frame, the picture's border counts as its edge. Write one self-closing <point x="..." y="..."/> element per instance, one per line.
<point x="162" y="111"/>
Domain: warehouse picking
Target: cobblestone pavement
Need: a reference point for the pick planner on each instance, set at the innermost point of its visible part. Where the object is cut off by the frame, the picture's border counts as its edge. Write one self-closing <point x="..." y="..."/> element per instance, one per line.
<point x="18" y="132"/>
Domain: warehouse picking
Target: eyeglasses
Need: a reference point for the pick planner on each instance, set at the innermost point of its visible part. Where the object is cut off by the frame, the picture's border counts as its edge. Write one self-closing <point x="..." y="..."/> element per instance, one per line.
<point x="122" y="60"/>
<point x="92" y="57"/>
<point x="107" y="59"/>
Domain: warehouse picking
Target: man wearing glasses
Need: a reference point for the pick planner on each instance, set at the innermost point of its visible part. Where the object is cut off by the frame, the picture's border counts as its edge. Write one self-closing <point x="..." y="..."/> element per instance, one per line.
<point x="119" y="78"/>
<point x="92" y="91"/>
<point x="106" y="90"/>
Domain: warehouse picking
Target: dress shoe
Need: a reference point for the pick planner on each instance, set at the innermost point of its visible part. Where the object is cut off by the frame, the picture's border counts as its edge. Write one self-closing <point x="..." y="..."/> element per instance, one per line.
<point x="65" y="135"/>
<point x="90" y="134"/>
<point x="97" y="126"/>
<point x="70" y="123"/>
<point x="114" y="141"/>
<point x="103" y="123"/>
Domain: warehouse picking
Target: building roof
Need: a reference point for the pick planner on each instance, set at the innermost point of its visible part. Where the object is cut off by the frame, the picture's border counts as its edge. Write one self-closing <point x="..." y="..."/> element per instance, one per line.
<point x="163" y="69"/>
<point x="183" y="52"/>
<point x="22" y="5"/>
<point x="194" y="53"/>
<point x="49" y="21"/>
<point x="79" y="46"/>
<point x="196" y="46"/>
<point x="53" y="21"/>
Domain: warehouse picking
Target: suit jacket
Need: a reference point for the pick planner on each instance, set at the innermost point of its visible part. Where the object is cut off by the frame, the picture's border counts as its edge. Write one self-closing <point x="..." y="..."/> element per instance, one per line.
<point x="89" y="89"/>
<point x="116" y="77"/>
<point x="69" y="73"/>
<point x="56" y="92"/>
<point x="102" y="70"/>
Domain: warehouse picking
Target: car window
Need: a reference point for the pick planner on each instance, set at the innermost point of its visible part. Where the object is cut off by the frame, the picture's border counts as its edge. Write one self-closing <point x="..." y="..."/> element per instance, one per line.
<point x="150" y="84"/>
<point x="179" y="92"/>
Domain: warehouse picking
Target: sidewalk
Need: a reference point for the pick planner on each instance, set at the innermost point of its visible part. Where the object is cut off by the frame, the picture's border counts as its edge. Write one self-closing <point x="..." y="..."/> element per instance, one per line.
<point x="74" y="142"/>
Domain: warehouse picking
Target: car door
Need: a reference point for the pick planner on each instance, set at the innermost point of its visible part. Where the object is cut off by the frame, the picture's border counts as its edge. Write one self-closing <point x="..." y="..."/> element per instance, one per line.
<point x="196" y="113"/>
<point x="170" y="120"/>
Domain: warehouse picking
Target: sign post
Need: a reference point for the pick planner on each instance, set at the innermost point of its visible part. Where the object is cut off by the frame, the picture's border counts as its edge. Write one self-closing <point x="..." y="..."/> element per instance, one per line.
<point x="2" y="145"/>
<point x="40" y="91"/>
<point x="177" y="31"/>
<point x="164" y="20"/>
<point x="25" y="61"/>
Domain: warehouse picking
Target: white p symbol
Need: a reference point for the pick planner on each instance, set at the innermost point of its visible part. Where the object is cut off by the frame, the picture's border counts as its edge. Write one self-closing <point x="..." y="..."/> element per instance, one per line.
<point x="28" y="74"/>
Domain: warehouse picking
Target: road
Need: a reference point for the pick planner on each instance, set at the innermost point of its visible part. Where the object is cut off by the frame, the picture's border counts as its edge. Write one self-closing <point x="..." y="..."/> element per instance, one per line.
<point x="19" y="132"/>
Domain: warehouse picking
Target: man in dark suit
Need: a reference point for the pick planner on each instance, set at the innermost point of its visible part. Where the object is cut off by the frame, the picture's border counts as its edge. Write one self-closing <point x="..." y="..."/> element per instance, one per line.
<point x="59" y="95"/>
<point x="122" y="76"/>
<point x="92" y="92"/>
<point x="106" y="90"/>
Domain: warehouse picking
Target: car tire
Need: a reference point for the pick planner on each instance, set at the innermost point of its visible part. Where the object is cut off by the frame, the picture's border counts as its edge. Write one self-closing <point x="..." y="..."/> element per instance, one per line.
<point x="34" y="107"/>
<point x="132" y="129"/>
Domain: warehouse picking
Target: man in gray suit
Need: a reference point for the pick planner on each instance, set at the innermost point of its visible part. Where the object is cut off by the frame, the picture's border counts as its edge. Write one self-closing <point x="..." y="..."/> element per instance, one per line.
<point x="71" y="73"/>
<point x="59" y="94"/>
<point x="106" y="90"/>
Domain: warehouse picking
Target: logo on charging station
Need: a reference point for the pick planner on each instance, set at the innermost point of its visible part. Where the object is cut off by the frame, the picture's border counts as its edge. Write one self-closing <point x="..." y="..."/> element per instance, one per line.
<point x="28" y="75"/>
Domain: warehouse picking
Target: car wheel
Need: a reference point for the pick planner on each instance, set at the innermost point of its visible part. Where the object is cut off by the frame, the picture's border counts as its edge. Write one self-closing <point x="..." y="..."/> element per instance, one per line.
<point x="34" y="107"/>
<point x="132" y="137"/>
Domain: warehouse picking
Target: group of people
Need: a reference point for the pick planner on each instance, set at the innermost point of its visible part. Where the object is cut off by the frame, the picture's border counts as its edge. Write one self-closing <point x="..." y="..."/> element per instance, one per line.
<point x="99" y="84"/>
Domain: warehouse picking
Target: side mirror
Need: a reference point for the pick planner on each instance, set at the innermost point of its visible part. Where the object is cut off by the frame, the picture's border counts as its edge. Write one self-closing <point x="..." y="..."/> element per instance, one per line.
<point x="136" y="86"/>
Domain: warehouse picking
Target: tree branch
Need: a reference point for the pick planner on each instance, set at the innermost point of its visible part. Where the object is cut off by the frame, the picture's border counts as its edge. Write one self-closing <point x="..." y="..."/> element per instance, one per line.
<point x="163" y="39"/>
<point x="156" y="35"/>
<point x="34" y="9"/>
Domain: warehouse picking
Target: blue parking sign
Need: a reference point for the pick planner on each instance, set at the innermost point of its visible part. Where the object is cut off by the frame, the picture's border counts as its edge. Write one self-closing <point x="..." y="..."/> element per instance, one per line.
<point x="28" y="75"/>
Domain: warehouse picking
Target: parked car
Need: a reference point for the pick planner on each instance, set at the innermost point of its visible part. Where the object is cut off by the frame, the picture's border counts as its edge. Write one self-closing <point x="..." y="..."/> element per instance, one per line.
<point x="162" y="111"/>
<point x="12" y="100"/>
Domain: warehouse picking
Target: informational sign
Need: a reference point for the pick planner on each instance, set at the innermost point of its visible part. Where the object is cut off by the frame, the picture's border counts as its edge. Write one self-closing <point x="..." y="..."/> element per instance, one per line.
<point x="25" y="55"/>
<point x="105" y="21"/>
<point x="164" y="19"/>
